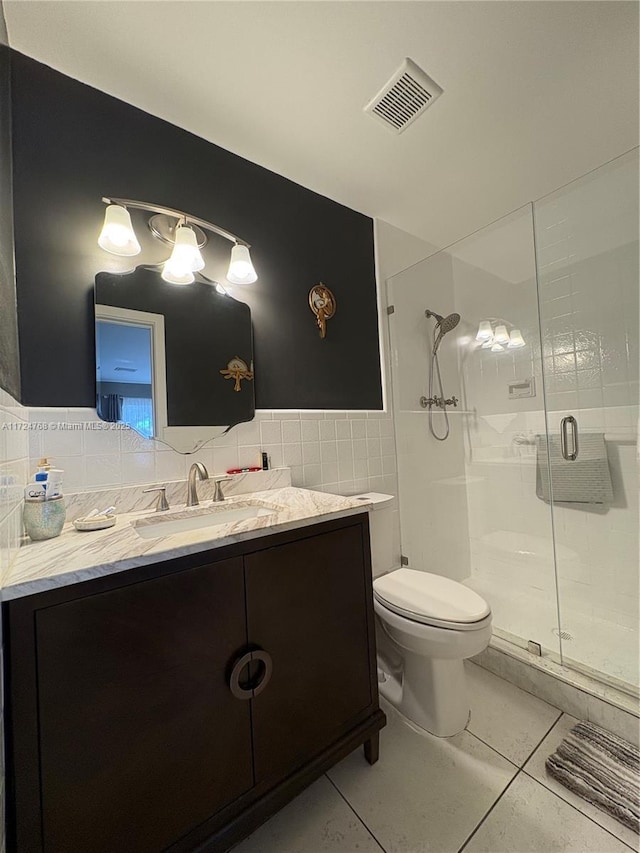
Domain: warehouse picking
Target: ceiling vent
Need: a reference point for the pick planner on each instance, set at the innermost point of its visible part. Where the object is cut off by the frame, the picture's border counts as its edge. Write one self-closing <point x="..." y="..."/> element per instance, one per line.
<point x="406" y="96"/>
<point x="127" y="369"/>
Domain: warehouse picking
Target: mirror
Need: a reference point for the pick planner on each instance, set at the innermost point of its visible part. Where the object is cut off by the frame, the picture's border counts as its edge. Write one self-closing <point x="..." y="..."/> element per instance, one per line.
<point x="174" y="362"/>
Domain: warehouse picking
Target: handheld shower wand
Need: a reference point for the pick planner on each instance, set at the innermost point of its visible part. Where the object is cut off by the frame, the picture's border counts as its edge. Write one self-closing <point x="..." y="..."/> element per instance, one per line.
<point x="443" y="326"/>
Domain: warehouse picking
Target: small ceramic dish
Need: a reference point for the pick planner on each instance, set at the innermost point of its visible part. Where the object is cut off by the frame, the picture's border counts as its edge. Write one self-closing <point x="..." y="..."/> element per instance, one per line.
<point x="94" y="523"/>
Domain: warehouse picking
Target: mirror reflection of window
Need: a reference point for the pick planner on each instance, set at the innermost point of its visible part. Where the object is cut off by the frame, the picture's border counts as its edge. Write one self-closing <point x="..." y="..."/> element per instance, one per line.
<point x="124" y="365"/>
<point x="195" y="330"/>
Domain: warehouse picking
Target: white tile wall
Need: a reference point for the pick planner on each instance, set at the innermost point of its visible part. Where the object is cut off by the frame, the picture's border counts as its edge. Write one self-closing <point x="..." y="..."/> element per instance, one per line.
<point x="13" y="468"/>
<point x="14" y="451"/>
<point x="326" y="450"/>
<point x="433" y="499"/>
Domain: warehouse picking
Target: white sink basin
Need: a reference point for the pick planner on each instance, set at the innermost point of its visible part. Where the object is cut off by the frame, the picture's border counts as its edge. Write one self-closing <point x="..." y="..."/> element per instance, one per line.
<point x="198" y="519"/>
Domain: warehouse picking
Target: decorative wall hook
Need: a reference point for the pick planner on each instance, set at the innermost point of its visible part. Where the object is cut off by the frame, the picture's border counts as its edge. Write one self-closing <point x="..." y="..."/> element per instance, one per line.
<point x="237" y="369"/>
<point x="323" y="304"/>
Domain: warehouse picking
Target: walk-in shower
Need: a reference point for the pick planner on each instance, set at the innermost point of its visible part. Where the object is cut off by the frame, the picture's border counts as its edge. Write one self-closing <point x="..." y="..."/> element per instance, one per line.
<point x="442" y="326"/>
<point x="549" y="541"/>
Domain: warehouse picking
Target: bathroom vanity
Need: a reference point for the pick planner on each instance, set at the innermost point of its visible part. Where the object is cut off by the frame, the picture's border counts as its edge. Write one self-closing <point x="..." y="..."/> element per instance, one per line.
<point x="176" y="705"/>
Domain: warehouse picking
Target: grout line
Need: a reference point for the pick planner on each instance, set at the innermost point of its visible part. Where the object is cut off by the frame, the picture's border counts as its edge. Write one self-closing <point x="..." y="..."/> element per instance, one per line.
<point x="545" y="735"/>
<point x="355" y="813"/>
<point x="576" y="808"/>
<point x="502" y="793"/>
<point x="493" y="749"/>
<point x="515" y="776"/>
<point x="528" y="756"/>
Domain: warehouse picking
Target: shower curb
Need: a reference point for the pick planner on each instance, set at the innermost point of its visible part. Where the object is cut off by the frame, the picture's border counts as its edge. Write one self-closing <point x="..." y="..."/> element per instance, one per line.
<point x="592" y="700"/>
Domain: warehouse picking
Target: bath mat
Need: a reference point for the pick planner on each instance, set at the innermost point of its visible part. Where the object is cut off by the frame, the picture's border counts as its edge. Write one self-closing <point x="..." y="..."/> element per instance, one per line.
<point x="601" y="768"/>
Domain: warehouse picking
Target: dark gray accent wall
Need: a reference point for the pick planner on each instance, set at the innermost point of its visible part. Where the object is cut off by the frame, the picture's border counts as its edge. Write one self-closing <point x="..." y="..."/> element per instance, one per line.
<point x="9" y="356"/>
<point x="73" y="144"/>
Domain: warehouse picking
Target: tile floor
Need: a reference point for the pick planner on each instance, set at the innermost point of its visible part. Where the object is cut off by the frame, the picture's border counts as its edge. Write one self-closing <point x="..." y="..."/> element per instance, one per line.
<point x="482" y="791"/>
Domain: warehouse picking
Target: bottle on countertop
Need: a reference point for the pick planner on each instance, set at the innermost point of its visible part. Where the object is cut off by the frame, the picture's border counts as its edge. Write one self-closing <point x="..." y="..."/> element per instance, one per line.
<point x="49" y="477"/>
<point x="44" y="510"/>
<point x="42" y="470"/>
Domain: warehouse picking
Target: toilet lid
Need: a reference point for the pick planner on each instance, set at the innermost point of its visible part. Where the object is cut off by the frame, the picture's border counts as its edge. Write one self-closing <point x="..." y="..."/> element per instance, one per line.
<point x="428" y="596"/>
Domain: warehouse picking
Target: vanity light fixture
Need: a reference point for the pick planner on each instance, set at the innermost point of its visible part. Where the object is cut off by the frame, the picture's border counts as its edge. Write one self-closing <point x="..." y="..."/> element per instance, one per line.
<point x="494" y="334"/>
<point x="178" y="229"/>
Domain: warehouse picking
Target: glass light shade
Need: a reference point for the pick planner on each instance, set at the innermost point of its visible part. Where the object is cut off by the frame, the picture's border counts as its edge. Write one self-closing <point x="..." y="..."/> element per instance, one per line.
<point x="497" y="348"/>
<point x="176" y="274"/>
<point x="241" y="269"/>
<point x="117" y="235"/>
<point x="488" y="344"/>
<point x="501" y="336"/>
<point x="516" y="341"/>
<point x="186" y="254"/>
<point x="485" y="332"/>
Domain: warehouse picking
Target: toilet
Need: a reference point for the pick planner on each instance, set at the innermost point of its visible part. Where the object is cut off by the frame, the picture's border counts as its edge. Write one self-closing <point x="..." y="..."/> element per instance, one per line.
<point x="426" y="627"/>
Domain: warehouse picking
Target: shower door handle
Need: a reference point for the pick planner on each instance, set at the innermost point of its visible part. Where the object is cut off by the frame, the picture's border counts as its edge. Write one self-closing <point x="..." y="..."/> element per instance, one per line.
<point x="569" y="421"/>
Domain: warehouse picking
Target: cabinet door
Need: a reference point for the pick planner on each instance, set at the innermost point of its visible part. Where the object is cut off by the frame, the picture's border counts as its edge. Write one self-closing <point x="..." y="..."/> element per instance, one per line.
<point x="307" y="606"/>
<point x="141" y="739"/>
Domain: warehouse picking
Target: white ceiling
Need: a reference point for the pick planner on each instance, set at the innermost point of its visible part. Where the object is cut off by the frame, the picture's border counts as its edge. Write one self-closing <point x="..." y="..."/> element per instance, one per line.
<point x="535" y="93"/>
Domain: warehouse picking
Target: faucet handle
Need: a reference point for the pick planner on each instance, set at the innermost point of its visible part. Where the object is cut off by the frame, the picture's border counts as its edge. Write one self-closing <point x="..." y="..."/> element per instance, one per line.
<point x="218" y="494"/>
<point x="162" y="503"/>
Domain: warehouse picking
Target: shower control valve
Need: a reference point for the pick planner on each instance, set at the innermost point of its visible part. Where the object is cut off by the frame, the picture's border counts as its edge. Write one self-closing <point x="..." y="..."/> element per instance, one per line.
<point x="438" y="402"/>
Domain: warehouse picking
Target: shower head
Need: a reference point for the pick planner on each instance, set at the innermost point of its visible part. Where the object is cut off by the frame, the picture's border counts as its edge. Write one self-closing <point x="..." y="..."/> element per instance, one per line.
<point x="448" y="323"/>
<point x="443" y="324"/>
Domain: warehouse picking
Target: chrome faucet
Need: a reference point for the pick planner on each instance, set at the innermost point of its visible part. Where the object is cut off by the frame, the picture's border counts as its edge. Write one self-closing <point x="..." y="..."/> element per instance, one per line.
<point x="197" y="471"/>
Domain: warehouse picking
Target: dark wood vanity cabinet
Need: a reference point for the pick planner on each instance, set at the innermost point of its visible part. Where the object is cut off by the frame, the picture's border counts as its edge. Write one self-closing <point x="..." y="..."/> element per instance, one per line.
<point x="177" y="706"/>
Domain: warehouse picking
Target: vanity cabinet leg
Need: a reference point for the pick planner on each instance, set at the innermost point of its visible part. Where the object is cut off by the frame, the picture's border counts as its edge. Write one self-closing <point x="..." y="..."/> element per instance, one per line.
<point x="372" y="748"/>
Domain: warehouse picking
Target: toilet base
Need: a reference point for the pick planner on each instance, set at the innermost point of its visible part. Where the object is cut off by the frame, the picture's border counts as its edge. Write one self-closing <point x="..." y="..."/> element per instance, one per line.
<point x="430" y="692"/>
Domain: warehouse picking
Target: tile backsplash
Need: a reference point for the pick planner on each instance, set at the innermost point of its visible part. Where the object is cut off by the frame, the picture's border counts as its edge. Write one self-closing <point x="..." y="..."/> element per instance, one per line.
<point x="14" y="467"/>
<point x="342" y="452"/>
<point x="14" y="448"/>
<point x="333" y="451"/>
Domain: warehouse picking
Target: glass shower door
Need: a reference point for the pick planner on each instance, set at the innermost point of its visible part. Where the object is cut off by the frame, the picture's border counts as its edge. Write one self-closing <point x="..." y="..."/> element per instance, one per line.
<point x="586" y="237"/>
<point x="468" y="504"/>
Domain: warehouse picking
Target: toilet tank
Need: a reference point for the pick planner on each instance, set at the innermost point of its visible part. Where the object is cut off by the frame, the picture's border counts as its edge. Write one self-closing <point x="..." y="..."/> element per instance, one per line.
<point x="381" y="528"/>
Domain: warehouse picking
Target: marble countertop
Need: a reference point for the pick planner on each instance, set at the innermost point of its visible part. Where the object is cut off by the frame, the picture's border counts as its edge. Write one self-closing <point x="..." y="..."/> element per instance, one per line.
<point x="77" y="556"/>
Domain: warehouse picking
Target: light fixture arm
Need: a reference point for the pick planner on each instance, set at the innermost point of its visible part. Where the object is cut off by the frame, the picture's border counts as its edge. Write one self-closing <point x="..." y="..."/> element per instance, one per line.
<point x="179" y="215"/>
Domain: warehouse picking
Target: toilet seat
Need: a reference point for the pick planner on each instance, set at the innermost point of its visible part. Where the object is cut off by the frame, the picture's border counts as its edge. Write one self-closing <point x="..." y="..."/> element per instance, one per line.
<point x="432" y="600"/>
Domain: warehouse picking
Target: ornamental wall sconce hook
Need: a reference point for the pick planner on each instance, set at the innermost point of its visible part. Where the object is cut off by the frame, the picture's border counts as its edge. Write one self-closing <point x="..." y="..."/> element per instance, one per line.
<point x="237" y="369"/>
<point x="323" y="304"/>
